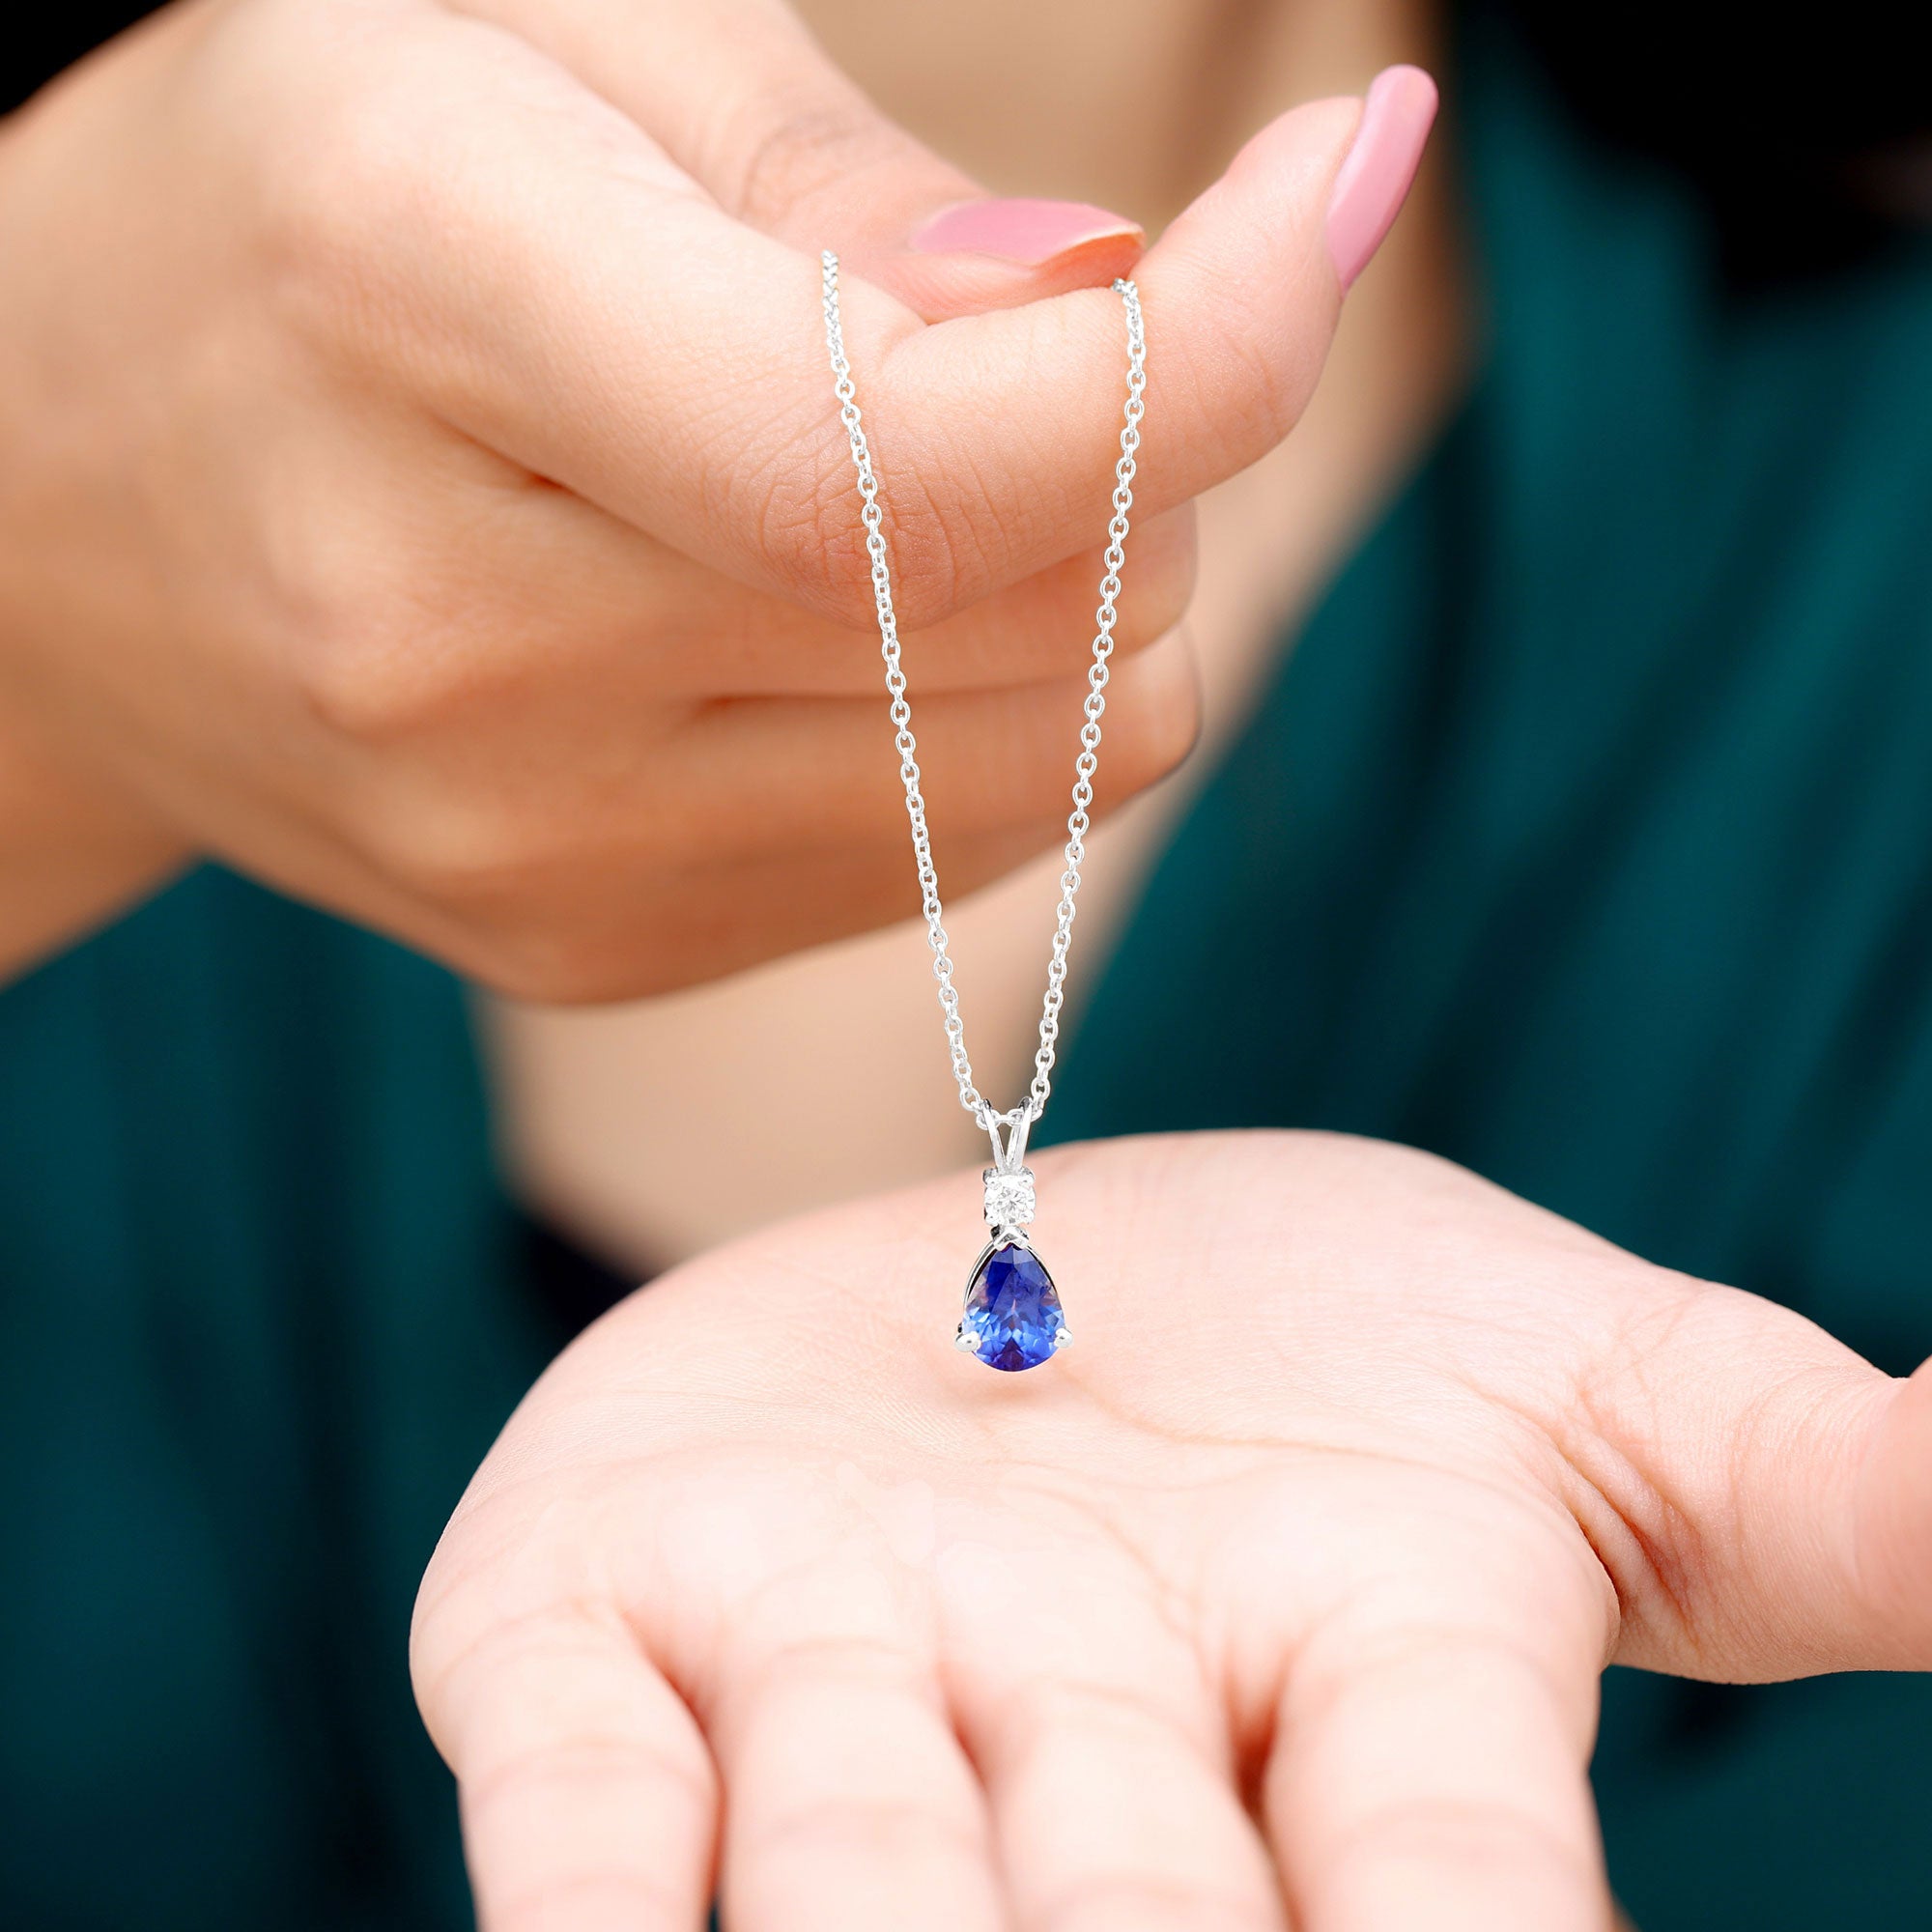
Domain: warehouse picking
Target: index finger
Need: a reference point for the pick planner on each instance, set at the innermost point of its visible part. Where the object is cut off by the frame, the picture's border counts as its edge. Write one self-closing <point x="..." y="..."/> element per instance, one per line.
<point x="560" y="290"/>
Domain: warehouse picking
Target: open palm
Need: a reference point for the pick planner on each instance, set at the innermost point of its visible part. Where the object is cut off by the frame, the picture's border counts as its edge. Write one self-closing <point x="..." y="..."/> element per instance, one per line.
<point x="1279" y="1599"/>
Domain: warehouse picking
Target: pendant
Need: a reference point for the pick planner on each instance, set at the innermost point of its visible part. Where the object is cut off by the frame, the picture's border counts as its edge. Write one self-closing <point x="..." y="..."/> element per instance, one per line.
<point x="1012" y="1316"/>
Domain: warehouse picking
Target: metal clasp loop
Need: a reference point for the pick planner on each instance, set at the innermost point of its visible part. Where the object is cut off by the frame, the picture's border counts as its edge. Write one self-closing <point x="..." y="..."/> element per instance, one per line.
<point x="1010" y="1149"/>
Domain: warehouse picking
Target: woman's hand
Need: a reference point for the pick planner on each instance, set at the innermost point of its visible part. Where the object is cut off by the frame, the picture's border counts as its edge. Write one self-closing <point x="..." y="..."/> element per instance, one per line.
<point x="423" y="487"/>
<point x="1279" y="1597"/>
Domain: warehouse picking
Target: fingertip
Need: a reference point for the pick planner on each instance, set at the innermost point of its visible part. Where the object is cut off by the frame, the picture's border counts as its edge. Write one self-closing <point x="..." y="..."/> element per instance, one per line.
<point x="1242" y="298"/>
<point x="1895" y="1562"/>
<point x="1240" y="305"/>
<point x="1374" y="179"/>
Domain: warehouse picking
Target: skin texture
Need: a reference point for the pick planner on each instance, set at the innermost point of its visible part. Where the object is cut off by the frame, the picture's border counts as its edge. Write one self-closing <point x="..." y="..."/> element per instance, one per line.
<point x="1279" y="1597"/>
<point x="419" y="507"/>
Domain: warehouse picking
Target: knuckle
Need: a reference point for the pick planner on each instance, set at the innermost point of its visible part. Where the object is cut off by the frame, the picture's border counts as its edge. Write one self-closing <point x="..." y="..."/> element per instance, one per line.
<point x="341" y="204"/>
<point x="374" y="672"/>
<point x="471" y="858"/>
<point x="809" y="147"/>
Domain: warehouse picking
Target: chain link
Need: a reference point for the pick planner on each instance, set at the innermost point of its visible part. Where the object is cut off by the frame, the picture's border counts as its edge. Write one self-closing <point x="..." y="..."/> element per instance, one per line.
<point x="1079" y="821"/>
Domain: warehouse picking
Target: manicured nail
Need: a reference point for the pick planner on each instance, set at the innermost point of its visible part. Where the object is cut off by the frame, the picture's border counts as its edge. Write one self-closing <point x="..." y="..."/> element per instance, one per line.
<point x="1031" y="233"/>
<point x="1374" y="178"/>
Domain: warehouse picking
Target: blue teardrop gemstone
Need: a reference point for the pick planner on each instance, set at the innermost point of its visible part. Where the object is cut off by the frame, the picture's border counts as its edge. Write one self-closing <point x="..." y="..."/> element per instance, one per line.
<point x="1013" y="1318"/>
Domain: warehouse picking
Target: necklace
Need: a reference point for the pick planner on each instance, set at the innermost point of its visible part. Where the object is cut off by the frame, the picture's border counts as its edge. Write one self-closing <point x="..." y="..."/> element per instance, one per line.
<point x="1013" y="1318"/>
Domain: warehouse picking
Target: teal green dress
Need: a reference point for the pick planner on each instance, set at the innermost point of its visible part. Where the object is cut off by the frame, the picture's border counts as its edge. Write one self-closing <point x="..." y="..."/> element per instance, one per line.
<point x="1586" y="837"/>
<point x="260" y="1316"/>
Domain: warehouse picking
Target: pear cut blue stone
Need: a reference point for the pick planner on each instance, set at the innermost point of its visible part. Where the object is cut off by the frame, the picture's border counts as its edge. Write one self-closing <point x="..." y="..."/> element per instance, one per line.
<point x="1012" y="1315"/>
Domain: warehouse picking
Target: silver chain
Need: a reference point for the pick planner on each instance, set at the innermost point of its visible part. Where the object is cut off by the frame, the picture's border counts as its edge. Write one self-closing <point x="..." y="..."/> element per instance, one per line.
<point x="1079" y="821"/>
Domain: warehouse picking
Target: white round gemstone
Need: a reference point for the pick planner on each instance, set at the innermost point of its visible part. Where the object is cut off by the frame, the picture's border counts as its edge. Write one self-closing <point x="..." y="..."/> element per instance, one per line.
<point x="1009" y="1200"/>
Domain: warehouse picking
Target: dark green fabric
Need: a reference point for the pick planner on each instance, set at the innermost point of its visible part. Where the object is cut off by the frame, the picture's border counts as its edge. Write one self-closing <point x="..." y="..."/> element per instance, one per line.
<point x="257" y="1322"/>
<point x="1586" y="838"/>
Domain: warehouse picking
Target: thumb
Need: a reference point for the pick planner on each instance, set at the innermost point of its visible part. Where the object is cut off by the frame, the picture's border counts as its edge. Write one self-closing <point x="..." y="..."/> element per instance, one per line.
<point x="739" y="94"/>
<point x="1892" y="1508"/>
<point x="1776" y="1500"/>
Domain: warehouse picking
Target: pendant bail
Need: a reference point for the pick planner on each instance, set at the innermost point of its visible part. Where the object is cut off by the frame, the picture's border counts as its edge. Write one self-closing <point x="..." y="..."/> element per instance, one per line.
<point x="1010" y="1152"/>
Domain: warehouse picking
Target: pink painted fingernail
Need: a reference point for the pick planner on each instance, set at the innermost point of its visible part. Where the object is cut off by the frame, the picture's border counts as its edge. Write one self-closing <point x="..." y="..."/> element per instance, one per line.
<point x="1029" y="231"/>
<point x="1374" y="178"/>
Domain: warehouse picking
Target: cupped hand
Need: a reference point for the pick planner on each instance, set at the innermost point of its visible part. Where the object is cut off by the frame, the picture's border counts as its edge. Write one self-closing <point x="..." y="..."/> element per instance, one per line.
<point x="424" y="486"/>
<point x="1279" y="1598"/>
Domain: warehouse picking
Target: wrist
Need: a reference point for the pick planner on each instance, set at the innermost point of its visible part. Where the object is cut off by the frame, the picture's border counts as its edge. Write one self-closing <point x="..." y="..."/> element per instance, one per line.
<point x="74" y="848"/>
